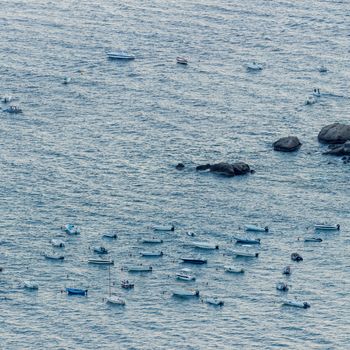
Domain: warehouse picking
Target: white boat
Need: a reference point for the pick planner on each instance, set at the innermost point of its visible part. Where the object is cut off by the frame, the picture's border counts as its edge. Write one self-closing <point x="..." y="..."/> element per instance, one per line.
<point x="101" y="262"/>
<point x="316" y="93"/>
<point x="7" y="99"/>
<point x="57" y="243"/>
<point x="184" y="275"/>
<point x="327" y="227"/>
<point x="13" y="110"/>
<point x="312" y="239"/>
<point x="164" y="228"/>
<point x="67" y="80"/>
<point x="181" y="60"/>
<point x="30" y="285"/>
<point x="287" y="271"/>
<point x="246" y="240"/>
<point x="213" y="301"/>
<point x="281" y="286"/>
<point x="245" y="255"/>
<point x="152" y="240"/>
<point x="151" y="254"/>
<point x="139" y="268"/>
<point x="183" y="293"/>
<point x="311" y="100"/>
<point x="71" y="229"/>
<point x="191" y="234"/>
<point x="100" y="250"/>
<point x="120" y="55"/>
<point x="196" y="261"/>
<point x="111" y="235"/>
<point x="204" y="245"/>
<point x="295" y="303"/>
<point x="256" y="228"/>
<point x="115" y="300"/>
<point x="233" y="269"/>
<point x="53" y="257"/>
<point x="254" y="66"/>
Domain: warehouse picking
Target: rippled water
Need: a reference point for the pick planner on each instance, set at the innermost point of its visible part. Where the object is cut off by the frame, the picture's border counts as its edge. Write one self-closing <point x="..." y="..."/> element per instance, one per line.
<point x="101" y="153"/>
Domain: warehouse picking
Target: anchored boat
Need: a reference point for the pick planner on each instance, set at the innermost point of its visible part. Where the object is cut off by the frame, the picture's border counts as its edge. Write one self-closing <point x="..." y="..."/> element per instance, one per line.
<point x="101" y="262"/>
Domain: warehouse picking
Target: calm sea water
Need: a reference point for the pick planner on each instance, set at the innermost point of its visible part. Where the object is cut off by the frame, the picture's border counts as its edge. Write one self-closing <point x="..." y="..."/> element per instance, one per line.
<point x="101" y="153"/>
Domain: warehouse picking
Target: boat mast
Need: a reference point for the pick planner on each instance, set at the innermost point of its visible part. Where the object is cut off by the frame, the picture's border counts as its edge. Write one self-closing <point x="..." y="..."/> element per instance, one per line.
<point x="109" y="280"/>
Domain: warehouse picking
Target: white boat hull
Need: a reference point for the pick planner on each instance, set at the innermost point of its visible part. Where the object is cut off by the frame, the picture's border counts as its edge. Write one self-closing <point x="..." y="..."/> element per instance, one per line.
<point x="256" y="228"/>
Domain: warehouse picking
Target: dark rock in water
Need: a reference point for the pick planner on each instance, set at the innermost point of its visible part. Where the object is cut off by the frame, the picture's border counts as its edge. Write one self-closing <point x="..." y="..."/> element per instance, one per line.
<point x="341" y="150"/>
<point x="240" y="168"/>
<point x="296" y="257"/>
<point x="203" y="167"/>
<point x="287" y="144"/>
<point x="223" y="168"/>
<point x="334" y="133"/>
<point x="180" y="166"/>
<point x="252" y="171"/>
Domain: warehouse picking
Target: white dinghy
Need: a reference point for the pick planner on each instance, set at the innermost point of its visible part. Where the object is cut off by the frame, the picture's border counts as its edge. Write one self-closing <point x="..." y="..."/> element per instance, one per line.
<point x="233" y="269"/>
<point x="120" y="55"/>
<point x="245" y="255"/>
<point x="213" y="301"/>
<point x="204" y="245"/>
<point x="53" y="257"/>
<point x="254" y="67"/>
<point x="152" y="240"/>
<point x="184" y="275"/>
<point x="151" y="254"/>
<point x="240" y="240"/>
<point x="57" y="243"/>
<point x="115" y="300"/>
<point x="295" y="303"/>
<point x="164" y="228"/>
<point x="30" y="285"/>
<point x="327" y="227"/>
<point x="71" y="229"/>
<point x="101" y="262"/>
<point x="256" y="228"/>
<point x="183" y="293"/>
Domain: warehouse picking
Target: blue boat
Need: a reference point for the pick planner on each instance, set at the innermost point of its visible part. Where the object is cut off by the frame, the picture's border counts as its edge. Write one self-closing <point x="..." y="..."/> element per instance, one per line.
<point x="76" y="291"/>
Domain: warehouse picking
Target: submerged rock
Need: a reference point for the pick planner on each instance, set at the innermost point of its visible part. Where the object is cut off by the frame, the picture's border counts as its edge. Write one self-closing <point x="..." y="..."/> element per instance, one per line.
<point x="238" y="168"/>
<point x="341" y="150"/>
<point x="223" y="168"/>
<point x="180" y="166"/>
<point x="334" y="133"/>
<point x="287" y="144"/>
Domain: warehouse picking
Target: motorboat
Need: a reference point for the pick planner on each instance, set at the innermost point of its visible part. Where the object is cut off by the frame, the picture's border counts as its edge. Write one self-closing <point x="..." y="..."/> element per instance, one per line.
<point x="53" y="257"/>
<point x="311" y="100"/>
<point x="151" y="254"/>
<point x="120" y="55"/>
<point x="184" y="275"/>
<point x="246" y="240"/>
<point x="164" y="228"/>
<point x="101" y="262"/>
<point x="281" y="286"/>
<point x="152" y="240"/>
<point x="295" y="303"/>
<point x="312" y="239"/>
<point x="197" y="261"/>
<point x="115" y="300"/>
<point x="139" y="268"/>
<point x="183" y="293"/>
<point x="287" y="271"/>
<point x="254" y="66"/>
<point x="71" y="229"/>
<point x="296" y="257"/>
<point x="181" y="60"/>
<point x="57" y="243"/>
<point x="256" y="228"/>
<point x="66" y="80"/>
<point x="204" y="245"/>
<point x="327" y="227"/>
<point x="127" y="285"/>
<point x="322" y="69"/>
<point x="13" y="110"/>
<point x="30" y="285"/>
<point x="245" y="255"/>
<point x="191" y="234"/>
<point x="110" y="235"/>
<point x="100" y="250"/>
<point x="233" y="269"/>
<point x="7" y="99"/>
<point x="213" y="301"/>
<point x="76" y="291"/>
<point x="316" y="93"/>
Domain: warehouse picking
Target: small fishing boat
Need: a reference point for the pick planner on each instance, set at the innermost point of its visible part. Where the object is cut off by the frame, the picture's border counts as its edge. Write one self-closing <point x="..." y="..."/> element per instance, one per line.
<point x="181" y="60"/>
<point x="213" y="301"/>
<point x="246" y="240"/>
<point x="100" y="250"/>
<point x="139" y="268"/>
<point x="256" y="228"/>
<point x="184" y="275"/>
<point x="110" y="235"/>
<point x="66" y="80"/>
<point x="152" y="240"/>
<point x="53" y="257"/>
<point x="327" y="227"/>
<point x="196" y="261"/>
<point x="101" y="262"/>
<point x="322" y="69"/>
<point x="310" y="100"/>
<point x="183" y="293"/>
<point x="151" y="254"/>
<point x="296" y="257"/>
<point x="281" y="286"/>
<point x="191" y="234"/>
<point x="7" y="99"/>
<point x="76" y="291"/>
<point x="164" y="228"/>
<point x="245" y="255"/>
<point x="316" y="93"/>
<point x="254" y="66"/>
<point x="115" y="300"/>
<point x="57" y="243"/>
<point x="287" y="271"/>
<point x="30" y="285"/>
<point x="295" y="303"/>
<point x="71" y="229"/>
<point x="13" y="110"/>
<point x="312" y="239"/>
<point x="233" y="269"/>
<point x="127" y="285"/>
<point x="204" y="245"/>
<point x="120" y="56"/>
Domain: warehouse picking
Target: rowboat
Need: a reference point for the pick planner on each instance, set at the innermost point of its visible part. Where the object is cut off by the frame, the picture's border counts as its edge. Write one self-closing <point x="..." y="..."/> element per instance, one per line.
<point x="110" y="235"/>
<point x="151" y="254"/>
<point x="101" y="262"/>
<point x="327" y="227"/>
<point x="246" y="240"/>
<point x="312" y="239"/>
<point x="254" y="66"/>
<point x="151" y="241"/>
<point x="139" y="268"/>
<point x="245" y="255"/>
<point x="183" y="293"/>
<point x="71" y="229"/>
<point x="120" y="56"/>
<point x="213" y="301"/>
<point x="194" y="261"/>
<point x="204" y="245"/>
<point x="164" y="228"/>
<point x="181" y="60"/>
<point x="53" y="257"/>
<point x="115" y="300"/>
<point x="295" y="303"/>
<point x="233" y="269"/>
<point x="256" y="228"/>
<point x="76" y="291"/>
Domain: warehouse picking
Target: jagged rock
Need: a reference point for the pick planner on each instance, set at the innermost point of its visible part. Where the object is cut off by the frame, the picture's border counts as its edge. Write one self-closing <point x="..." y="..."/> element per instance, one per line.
<point x="223" y="168"/>
<point x="334" y="133"/>
<point x="240" y="168"/>
<point x="180" y="166"/>
<point x="287" y="144"/>
<point x="203" y="167"/>
<point x="341" y="150"/>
